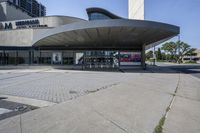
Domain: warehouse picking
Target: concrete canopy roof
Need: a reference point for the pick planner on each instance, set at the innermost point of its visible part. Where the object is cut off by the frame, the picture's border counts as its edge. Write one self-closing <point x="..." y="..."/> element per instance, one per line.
<point x="112" y="34"/>
<point x="102" y="11"/>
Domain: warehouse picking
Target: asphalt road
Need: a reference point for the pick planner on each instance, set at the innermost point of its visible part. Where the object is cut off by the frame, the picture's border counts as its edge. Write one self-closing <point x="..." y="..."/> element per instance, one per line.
<point x="9" y="109"/>
<point x="192" y="69"/>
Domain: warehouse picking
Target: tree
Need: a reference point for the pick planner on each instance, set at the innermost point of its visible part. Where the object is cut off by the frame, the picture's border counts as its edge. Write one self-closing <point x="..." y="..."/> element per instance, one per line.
<point x="159" y="54"/>
<point x="149" y="55"/>
<point x="164" y="56"/>
<point x="170" y="48"/>
<point x="177" y="50"/>
<point x="185" y="49"/>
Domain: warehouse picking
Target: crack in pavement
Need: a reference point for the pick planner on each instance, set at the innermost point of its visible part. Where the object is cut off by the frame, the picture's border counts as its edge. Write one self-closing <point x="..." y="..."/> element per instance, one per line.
<point x="188" y="98"/>
<point x="114" y="123"/>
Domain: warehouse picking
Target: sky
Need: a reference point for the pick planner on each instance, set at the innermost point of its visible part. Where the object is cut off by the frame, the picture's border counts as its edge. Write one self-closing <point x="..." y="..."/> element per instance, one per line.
<point x="183" y="13"/>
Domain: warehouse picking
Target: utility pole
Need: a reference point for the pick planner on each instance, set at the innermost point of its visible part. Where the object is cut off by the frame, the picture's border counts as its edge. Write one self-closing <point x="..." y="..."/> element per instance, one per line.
<point x="154" y="55"/>
<point x="179" y="53"/>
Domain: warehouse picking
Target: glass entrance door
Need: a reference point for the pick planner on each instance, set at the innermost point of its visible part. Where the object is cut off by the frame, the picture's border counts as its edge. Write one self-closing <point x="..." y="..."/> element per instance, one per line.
<point x="101" y="59"/>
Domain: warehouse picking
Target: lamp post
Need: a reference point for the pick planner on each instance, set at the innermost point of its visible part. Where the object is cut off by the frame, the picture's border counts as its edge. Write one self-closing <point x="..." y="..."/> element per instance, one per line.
<point x="179" y="48"/>
<point x="154" y="55"/>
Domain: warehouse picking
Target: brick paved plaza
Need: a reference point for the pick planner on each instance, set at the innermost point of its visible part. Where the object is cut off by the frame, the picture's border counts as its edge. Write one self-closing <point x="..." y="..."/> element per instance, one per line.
<point x="92" y="101"/>
<point x="56" y="85"/>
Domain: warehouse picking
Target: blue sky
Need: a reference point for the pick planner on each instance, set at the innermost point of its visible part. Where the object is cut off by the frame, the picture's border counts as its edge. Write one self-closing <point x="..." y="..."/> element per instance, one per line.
<point x="184" y="13"/>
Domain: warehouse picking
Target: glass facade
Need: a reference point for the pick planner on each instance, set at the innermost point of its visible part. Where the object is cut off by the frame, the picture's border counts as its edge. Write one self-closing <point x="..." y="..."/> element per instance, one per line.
<point x="32" y="7"/>
<point x="101" y="59"/>
<point x="95" y="59"/>
<point x="98" y="16"/>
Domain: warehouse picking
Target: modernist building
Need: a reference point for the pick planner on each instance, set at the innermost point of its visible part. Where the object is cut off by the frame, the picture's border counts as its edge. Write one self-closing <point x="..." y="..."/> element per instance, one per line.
<point x="194" y="57"/>
<point x="20" y="9"/>
<point x="104" y="40"/>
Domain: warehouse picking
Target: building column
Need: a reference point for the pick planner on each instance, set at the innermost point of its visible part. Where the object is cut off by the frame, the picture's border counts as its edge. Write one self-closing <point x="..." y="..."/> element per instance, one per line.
<point x="30" y="57"/>
<point x="62" y="58"/>
<point x="74" y="60"/>
<point x="154" y="55"/>
<point x="40" y="60"/>
<point x="83" y="63"/>
<point x="119" y="58"/>
<point x="143" y="57"/>
<point x="16" y="58"/>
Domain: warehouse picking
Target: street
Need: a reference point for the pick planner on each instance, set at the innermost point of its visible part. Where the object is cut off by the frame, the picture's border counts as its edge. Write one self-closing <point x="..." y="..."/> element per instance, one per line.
<point x="192" y="69"/>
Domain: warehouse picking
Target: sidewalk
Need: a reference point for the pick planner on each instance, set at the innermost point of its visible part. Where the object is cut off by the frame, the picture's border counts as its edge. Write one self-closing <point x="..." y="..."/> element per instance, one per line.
<point x="133" y="106"/>
<point x="185" y="114"/>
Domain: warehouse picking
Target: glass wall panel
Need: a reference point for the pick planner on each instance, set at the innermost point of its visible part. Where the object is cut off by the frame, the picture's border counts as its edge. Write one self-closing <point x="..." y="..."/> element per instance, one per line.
<point x="23" y="57"/>
<point x="11" y="57"/>
<point x="68" y="58"/>
<point x="98" y="16"/>
<point x="101" y="59"/>
<point x="45" y="57"/>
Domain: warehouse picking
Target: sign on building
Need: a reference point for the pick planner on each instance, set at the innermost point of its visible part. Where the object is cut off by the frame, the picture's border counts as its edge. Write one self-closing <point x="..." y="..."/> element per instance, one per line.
<point x="57" y="58"/>
<point x="130" y="58"/>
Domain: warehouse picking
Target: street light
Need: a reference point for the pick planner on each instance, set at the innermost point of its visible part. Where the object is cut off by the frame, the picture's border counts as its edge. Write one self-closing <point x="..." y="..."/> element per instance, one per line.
<point x="179" y="48"/>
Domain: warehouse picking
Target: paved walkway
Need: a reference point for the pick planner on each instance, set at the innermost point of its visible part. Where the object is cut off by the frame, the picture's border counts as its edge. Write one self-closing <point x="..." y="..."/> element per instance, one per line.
<point x="56" y="85"/>
<point x="184" y="116"/>
<point x="133" y="104"/>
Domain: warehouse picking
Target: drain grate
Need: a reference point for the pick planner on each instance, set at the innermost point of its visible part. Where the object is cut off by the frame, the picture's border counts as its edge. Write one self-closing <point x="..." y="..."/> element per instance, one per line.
<point x="21" y="108"/>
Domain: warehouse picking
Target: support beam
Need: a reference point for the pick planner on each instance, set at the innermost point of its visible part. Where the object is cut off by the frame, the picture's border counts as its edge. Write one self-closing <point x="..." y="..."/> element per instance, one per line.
<point x="16" y="58"/>
<point x="143" y="57"/>
<point x="4" y="57"/>
<point x="119" y="58"/>
<point x="32" y="56"/>
<point x="30" y="60"/>
<point x="154" y="55"/>
<point x="40" y="60"/>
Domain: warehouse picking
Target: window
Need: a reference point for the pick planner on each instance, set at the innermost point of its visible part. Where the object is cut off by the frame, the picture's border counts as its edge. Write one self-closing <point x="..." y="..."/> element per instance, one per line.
<point x="98" y="16"/>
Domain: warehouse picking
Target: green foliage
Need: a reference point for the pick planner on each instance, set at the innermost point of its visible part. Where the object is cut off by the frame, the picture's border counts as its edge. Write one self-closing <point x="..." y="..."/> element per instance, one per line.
<point x="164" y="56"/>
<point x="190" y="62"/>
<point x="149" y="55"/>
<point x="177" y="50"/>
<point x="159" y="54"/>
<point x="170" y="47"/>
<point x="151" y="60"/>
<point x="159" y="127"/>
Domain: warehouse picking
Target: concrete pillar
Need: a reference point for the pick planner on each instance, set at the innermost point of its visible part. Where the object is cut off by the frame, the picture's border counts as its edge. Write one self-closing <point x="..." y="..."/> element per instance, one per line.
<point x="154" y="55"/>
<point x="119" y="58"/>
<point x="74" y="60"/>
<point x="30" y="57"/>
<point x="40" y="60"/>
<point x="16" y="58"/>
<point x="62" y="57"/>
<point x="143" y="57"/>
<point x="83" y="63"/>
<point x="4" y="57"/>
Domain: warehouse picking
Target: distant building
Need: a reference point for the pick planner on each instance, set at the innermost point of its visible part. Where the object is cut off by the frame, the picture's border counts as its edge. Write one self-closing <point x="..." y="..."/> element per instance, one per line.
<point x="20" y="9"/>
<point x="194" y="57"/>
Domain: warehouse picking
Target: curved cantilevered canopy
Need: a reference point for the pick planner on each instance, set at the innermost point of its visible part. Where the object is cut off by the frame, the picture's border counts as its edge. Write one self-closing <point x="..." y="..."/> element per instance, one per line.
<point x="112" y="34"/>
<point x="94" y="10"/>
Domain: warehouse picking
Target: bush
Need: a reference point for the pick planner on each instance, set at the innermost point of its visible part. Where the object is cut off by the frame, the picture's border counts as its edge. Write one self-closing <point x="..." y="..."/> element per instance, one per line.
<point x="191" y="62"/>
